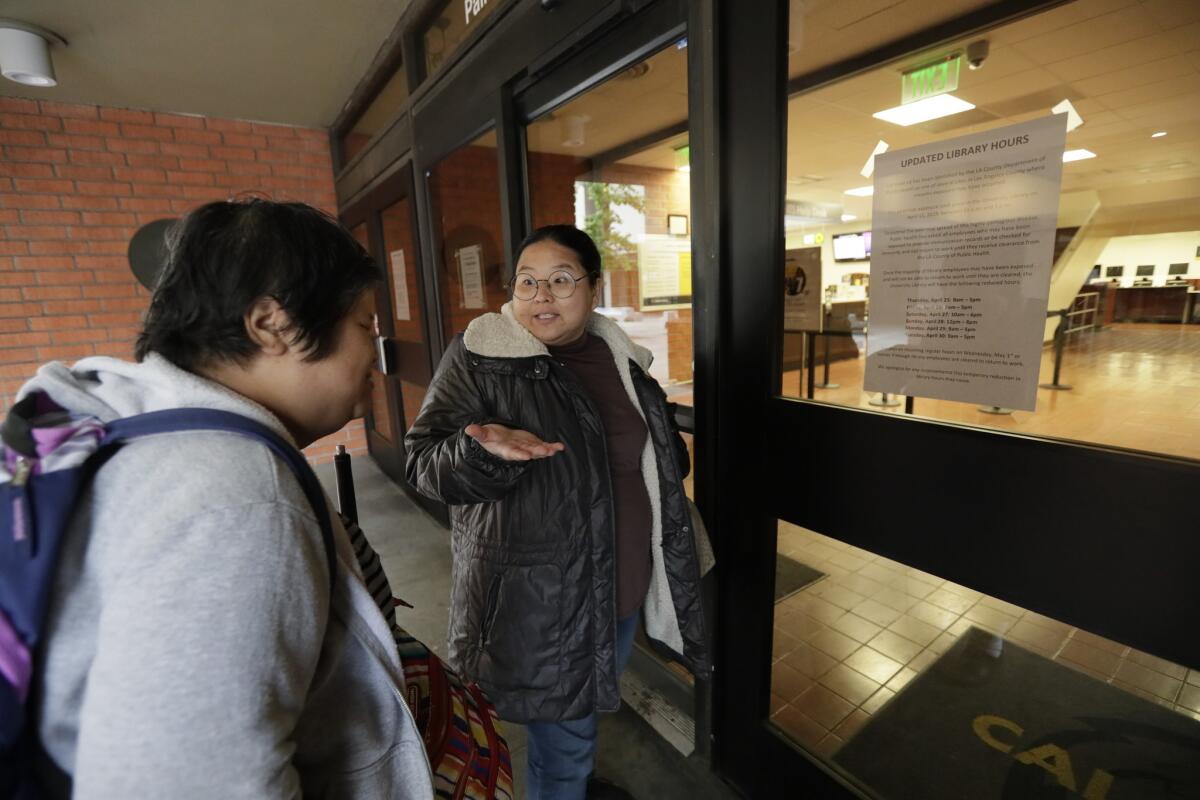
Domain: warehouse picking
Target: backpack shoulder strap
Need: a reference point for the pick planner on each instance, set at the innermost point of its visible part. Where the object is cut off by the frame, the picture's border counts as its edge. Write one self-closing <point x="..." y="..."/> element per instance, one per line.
<point x="211" y="419"/>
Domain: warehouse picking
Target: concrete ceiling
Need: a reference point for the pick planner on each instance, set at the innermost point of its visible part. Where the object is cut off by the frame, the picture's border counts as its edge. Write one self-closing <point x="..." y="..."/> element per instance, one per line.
<point x="285" y="61"/>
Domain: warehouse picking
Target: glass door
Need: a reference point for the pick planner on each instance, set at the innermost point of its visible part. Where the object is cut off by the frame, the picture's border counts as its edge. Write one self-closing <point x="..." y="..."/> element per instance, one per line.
<point x="940" y="598"/>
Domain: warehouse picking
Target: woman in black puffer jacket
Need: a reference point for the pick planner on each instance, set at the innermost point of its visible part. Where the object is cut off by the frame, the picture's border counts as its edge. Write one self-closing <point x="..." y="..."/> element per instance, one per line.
<point x="556" y="453"/>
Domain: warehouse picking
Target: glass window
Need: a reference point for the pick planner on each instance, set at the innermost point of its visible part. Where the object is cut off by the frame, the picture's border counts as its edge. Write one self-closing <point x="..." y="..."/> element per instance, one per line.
<point x="1129" y="342"/>
<point x="371" y="121"/>
<point x="447" y="30"/>
<point x="615" y="162"/>
<point x="464" y="188"/>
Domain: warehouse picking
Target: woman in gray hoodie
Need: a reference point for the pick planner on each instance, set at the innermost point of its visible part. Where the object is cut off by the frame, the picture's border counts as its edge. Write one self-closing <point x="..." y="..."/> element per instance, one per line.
<point x="193" y="646"/>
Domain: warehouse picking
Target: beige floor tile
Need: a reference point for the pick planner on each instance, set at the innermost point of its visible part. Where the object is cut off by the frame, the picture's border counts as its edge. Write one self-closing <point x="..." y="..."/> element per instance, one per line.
<point x="799" y="727"/>
<point x="922" y="661"/>
<point x="857" y="628"/>
<point x="799" y="625"/>
<point x="823" y="706"/>
<point x="788" y="682"/>
<point x="877" y="612"/>
<point x="895" y="599"/>
<point x="939" y="618"/>
<point x="1193" y="677"/>
<point x="895" y="646"/>
<point x="1036" y="637"/>
<point x="1189" y="697"/>
<point x="782" y="644"/>
<point x="1099" y="661"/>
<point x="853" y="686"/>
<point x="990" y="619"/>
<point x="776" y="703"/>
<point x="828" y="746"/>
<point x="943" y="643"/>
<point x="849" y="561"/>
<point x="1091" y="673"/>
<point x="878" y="700"/>
<point x="852" y="724"/>
<point x="809" y="660"/>
<point x="950" y="601"/>
<point x="1000" y="605"/>
<point x="970" y="594"/>
<point x="840" y="596"/>
<point x="915" y="630"/>
<point x="1157" y="664"/>
<point x="833" y="643"/>
<point x="818" y="609"/>
<point x="874" y="664"/>
<point x="878" y="572"/>
<point x="901" y="679"/>
<point x="862" y="584"/>
<point x="1148" y="680"/>
<point x="1047" y="623"/>
<point x="960" y="626"/>
<point x="1100" y="642"/>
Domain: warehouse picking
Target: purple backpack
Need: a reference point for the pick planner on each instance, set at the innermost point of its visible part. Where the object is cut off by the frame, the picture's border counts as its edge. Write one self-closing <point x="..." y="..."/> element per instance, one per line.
<point x="47" y="457"/>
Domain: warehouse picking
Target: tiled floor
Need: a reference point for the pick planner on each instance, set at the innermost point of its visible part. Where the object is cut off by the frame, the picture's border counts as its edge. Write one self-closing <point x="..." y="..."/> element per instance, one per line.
<point x="845" y="644"/>
<point x="1133" y="385"/>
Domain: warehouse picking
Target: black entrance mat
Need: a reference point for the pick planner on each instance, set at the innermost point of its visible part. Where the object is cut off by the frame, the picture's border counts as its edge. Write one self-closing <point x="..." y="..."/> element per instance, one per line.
<point x="791" y="576"/>
<point x="991" y="721"/>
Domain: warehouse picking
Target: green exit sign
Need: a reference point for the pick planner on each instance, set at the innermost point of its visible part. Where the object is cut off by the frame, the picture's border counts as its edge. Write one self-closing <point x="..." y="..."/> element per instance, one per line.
<point x="930" y="80"/>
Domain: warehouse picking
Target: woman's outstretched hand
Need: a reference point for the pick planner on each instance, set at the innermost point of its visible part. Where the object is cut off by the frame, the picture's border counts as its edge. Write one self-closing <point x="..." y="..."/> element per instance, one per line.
<point x="512" y="444"/>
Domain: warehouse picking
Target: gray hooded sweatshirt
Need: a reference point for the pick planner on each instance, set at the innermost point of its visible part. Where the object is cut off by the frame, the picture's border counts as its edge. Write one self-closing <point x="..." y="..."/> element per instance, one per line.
<point x="193" y="647"/>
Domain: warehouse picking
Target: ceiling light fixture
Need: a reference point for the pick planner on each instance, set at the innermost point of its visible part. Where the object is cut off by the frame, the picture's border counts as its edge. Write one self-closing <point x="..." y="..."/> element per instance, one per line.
<point x="848" y="218"/>
<point x="1077" y="155"/>
<point x="861" y="191"/>
<point x="941" y="105"/>
<point x="1158" y="134"/>
<point x="25" y="53"/>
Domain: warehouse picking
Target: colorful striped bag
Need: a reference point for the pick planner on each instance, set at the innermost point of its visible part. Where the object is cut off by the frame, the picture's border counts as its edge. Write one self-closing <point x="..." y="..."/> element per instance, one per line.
<point x="467" y="752"/>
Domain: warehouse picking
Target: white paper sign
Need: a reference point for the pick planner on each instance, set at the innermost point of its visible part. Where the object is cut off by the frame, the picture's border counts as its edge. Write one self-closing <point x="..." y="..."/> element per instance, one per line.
<point x="470" y="271"/>
<point x="963" y="238"/>
<point x="400" y="286"/>
<point x="802" y="290"/>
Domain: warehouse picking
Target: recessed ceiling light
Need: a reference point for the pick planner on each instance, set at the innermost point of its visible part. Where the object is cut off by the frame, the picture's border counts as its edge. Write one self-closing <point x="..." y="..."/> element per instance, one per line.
<point x="869" y="168"/>
<point x="1077" y="155"/>
<point x="1158" y="134"/>
<point x="1073" y="118"/>
<point x="941" y="105"/>
<point x="861" y="191"/>
<point x="848" y="218"/>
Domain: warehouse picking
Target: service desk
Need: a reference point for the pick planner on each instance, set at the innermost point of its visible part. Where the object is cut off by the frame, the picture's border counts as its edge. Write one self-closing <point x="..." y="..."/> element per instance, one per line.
<point x="1151" y="304"/>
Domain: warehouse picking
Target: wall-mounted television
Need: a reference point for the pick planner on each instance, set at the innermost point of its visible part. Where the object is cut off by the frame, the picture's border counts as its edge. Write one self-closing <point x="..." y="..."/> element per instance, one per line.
<point x="1114" y="272"/>
<point x="1144" y="270"/>
<point x="852" y="246"/>
<point x="1177" y="269"/>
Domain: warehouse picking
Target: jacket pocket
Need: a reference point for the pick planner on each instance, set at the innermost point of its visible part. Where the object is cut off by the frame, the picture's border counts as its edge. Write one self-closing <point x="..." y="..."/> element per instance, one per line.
<point x="519" y="646"/>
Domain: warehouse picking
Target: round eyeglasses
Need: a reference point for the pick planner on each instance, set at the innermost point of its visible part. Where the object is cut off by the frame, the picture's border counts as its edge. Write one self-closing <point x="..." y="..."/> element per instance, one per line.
<point x="561" y="284"/>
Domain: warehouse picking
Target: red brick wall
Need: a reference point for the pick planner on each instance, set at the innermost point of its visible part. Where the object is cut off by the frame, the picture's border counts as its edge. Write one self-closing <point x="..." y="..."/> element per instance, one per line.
<point x="77" y="181"/>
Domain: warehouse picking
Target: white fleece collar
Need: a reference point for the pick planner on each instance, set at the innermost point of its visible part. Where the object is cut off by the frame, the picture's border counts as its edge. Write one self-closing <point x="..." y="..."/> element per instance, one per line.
<point x="502" y="336"/>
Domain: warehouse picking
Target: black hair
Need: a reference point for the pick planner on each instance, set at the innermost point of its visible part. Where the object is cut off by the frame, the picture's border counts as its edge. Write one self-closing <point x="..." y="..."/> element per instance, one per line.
<point x="573" y="239"/>
<point x="224" y="256"/>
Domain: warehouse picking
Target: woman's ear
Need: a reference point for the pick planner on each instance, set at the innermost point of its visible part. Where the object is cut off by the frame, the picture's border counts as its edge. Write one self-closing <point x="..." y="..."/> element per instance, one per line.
<point x="269" y="326"/>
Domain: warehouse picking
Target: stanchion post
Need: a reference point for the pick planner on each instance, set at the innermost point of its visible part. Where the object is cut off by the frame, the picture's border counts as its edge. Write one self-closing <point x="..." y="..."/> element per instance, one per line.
<point x="811" y="356"/>
<point x="908" y="404"/>
<point x="1060" y="338"/>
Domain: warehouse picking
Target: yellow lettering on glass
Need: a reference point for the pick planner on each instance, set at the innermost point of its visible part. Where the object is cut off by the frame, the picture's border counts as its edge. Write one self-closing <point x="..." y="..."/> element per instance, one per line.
<point x="1098" y="786"/>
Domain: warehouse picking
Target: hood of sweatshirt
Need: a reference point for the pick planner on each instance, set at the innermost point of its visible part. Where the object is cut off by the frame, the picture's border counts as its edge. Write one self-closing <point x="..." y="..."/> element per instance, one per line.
<point x="109" y="388"/>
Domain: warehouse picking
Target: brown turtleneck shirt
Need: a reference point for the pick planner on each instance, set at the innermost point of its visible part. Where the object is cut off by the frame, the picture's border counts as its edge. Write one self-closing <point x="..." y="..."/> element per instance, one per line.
<point x="591" y="362"/>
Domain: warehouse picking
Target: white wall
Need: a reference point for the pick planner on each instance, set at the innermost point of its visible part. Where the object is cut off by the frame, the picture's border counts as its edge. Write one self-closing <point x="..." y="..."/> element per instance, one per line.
<point x="1159" y="249"/>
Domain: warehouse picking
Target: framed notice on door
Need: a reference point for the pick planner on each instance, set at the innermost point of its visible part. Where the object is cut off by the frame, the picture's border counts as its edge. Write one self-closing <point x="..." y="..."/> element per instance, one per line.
<point x="470" y="271"/>
<point x="400" y="305"/>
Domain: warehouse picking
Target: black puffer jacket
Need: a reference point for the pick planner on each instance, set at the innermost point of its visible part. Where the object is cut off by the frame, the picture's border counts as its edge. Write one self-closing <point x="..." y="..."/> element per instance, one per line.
<point x="533" y="594"/>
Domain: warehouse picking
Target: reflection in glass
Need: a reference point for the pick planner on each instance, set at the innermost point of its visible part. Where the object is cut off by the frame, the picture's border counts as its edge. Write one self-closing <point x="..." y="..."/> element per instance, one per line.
<point x="1130" y="342"/>
<point x="372" y="120"/>
<point x="615" y="162"/>
<point x="918" y="687"/>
